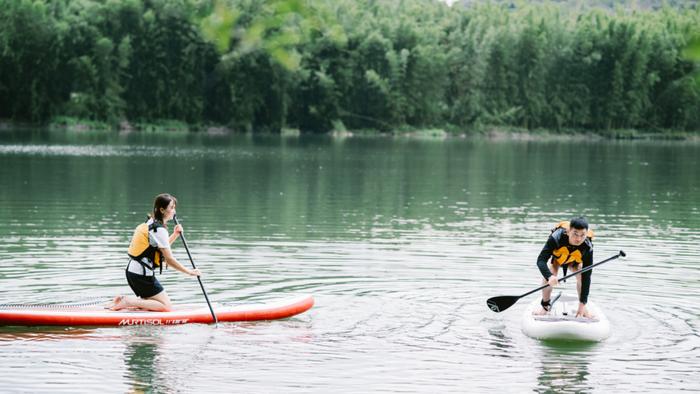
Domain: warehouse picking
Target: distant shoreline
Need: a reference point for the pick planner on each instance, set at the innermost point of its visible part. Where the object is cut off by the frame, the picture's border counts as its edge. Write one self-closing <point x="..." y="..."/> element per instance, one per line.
<point x="478" y="132"/>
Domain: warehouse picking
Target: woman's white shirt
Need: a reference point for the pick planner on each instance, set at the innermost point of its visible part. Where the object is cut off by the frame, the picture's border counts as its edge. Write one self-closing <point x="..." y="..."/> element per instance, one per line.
<point x="160" y="239"/>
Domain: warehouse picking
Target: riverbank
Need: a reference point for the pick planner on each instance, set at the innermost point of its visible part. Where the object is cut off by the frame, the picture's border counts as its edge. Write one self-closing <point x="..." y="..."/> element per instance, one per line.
<point x="481" y="131"/>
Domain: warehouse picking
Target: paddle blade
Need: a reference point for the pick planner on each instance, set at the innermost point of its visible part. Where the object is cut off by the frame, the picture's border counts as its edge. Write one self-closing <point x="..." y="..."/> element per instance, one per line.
<point x="500" y="304"/>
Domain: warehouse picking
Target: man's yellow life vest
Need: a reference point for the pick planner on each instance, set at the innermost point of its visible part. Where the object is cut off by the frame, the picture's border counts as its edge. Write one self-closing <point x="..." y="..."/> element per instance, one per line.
<point x="564" y="257"/>
<point x="141" y="246"/>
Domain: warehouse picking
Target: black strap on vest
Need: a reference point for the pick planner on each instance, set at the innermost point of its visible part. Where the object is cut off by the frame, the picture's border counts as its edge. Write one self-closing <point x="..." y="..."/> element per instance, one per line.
<point x="565" y="267"/>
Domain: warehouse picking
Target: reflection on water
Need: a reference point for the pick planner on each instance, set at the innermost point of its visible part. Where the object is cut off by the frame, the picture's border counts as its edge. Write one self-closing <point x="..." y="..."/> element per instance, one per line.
<point x="10" y="334"/>
<point x="401" y="242"/>
<point x="564" y="367"/>
<point x="141" y="358"/>
<point x="501" y="344"/>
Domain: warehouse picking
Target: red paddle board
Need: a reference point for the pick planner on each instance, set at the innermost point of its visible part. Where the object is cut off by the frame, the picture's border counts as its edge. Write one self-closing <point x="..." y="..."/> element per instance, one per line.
<point x="97" y="315"/>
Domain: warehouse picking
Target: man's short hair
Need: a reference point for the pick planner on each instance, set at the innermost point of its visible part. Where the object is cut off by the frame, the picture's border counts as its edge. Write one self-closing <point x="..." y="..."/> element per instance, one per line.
<point x="579" y="223"/>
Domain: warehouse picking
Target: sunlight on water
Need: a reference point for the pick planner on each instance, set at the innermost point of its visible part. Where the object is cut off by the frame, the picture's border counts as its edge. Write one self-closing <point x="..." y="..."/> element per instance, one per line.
<point x="400" y="242"/>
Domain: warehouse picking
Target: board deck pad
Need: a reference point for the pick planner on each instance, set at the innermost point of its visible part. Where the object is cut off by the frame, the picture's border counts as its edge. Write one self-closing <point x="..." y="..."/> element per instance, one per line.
<point x="561" y="323"/>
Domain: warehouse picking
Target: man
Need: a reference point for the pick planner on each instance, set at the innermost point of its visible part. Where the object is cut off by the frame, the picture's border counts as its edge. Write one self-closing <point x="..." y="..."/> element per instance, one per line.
<point x="570" y="244"/>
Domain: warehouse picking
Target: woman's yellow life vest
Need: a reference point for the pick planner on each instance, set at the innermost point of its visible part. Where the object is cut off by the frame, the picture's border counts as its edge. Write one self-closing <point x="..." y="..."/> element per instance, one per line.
<point x="562" y="255"/>
<point x="141" y="247"/>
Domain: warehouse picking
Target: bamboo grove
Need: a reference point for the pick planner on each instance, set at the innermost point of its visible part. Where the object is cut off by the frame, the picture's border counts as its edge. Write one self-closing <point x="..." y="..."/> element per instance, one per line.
<point x="356" y="64"/>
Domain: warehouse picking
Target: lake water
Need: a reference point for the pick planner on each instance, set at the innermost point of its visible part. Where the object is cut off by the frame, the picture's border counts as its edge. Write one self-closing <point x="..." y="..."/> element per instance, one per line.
<point x="400" y="241"/>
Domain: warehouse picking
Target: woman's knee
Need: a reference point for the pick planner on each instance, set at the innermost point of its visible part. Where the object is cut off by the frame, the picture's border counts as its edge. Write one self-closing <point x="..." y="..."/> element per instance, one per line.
<point x="167" y="306"/>
<point x="164" y="300"/>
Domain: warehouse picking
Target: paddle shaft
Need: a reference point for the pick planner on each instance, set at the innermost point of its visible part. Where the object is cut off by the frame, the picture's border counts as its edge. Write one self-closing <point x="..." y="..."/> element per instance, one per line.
<point x="184" y="242"/>
<point x="576" y="273"/>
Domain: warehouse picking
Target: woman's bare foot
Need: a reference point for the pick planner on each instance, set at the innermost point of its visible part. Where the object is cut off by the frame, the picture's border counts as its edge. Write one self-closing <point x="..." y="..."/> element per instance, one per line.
<point x="119" y="303"/>
<point x="110" y="304"/>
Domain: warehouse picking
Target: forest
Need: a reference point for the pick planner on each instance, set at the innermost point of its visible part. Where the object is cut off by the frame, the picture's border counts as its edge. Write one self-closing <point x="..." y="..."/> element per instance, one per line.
<point x="324" y="65"/>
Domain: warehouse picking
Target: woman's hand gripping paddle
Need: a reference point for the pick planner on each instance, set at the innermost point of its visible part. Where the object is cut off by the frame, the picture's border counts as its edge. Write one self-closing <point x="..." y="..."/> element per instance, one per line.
<point x="182" y="235"/>
<point x="501" y="303"/>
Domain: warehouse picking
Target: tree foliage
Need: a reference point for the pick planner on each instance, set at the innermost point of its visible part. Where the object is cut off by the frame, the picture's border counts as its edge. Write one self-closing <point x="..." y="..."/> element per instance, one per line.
<point x="360" y="64"/>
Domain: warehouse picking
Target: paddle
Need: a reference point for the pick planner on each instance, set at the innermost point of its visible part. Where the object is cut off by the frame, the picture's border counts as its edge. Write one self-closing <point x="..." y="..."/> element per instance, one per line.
<point x="500" y="304"/>
<point x="182" y="236"/>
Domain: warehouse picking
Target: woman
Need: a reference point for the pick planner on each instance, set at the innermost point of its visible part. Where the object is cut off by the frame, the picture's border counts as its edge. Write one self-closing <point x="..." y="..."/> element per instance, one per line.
<point x="148" y="251"/>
